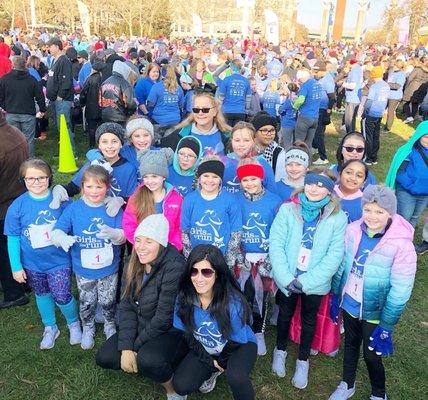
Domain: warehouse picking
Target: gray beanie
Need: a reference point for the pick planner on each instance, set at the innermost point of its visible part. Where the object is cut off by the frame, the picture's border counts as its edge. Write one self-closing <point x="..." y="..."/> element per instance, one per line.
<point x="382" y="195"/>
<point x="139" y="123"/>
<point x="110" y="127"/>
<point x="154" y="227"/>
<point x="155" y="161"/>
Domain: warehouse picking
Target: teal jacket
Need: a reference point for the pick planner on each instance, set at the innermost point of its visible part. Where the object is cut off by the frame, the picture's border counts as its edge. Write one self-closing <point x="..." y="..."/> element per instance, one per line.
<point x="327" y="252"/>
<point x="389" y="271"/>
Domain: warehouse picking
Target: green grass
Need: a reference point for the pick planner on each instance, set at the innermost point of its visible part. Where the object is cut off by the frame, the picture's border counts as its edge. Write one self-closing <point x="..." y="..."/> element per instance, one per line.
<point x="70" y="373"/>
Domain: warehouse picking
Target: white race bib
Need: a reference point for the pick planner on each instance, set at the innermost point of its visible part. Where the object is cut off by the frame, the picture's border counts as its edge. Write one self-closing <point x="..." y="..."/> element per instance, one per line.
<point x="303" y="258"/>
<point x="354" y="287"/>
<point x="40" y="235"/>
<point x="97" y="258"/>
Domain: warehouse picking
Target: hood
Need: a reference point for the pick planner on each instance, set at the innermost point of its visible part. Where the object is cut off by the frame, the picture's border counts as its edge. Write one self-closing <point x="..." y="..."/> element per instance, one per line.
<point x="400" y="229"/>
<point x="191" y="171"/>
<point x="121" y="68"/>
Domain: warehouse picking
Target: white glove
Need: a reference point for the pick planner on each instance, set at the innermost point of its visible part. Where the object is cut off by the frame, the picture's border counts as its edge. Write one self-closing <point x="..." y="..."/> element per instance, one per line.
<point x="116" y="235"/>
<point x="59" y="195"/>
<point x="103" y="163"/>
<point x="113" y="204"/>
<point x="61" y="239"/>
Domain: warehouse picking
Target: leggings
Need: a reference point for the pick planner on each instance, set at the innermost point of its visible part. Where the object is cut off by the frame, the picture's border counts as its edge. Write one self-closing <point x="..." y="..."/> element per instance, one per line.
<point x="191" y="372"/>
<point x="57" y="283"/>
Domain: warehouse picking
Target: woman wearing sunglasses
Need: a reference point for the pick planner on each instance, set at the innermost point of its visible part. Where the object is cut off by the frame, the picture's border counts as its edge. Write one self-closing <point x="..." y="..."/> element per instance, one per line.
<point x="352" y="147"/>
<point x="206" y="122"/>
<point x="213" y="314"/>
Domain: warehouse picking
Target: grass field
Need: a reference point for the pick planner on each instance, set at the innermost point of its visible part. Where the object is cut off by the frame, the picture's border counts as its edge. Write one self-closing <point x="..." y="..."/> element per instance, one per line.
<point x="68" y="373"/>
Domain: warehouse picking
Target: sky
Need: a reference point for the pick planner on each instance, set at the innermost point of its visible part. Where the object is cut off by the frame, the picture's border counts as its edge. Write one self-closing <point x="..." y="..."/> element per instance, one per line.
<point x="310" y="13"/>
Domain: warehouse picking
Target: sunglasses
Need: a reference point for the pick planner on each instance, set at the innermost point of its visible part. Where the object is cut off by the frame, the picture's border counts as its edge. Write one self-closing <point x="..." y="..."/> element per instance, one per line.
<point x="350" y="149"/>
<point x="206" y="272"/>
<point x="205" y="110"/>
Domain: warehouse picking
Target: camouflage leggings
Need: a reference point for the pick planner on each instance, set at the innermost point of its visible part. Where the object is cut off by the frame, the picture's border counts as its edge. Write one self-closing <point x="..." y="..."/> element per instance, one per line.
<point x="93" y="291"/>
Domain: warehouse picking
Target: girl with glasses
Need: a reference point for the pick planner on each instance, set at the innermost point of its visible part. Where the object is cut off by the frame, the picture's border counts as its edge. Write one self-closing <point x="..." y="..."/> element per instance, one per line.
<point x="213" y="315"/>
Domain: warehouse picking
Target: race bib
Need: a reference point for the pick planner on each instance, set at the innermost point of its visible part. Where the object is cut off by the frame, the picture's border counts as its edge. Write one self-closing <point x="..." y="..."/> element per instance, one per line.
<point x="354" y="287"/>
<point x="303" y="258"/>
<point x="40" y="235"/>
<point x="97" y="258"/>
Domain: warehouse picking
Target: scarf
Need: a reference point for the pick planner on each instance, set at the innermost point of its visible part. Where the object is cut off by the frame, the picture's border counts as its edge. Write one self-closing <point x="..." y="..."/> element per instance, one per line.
<point x="254" y="197"/>
<point x="311" y="209"/>
<point x="267" y="153"/>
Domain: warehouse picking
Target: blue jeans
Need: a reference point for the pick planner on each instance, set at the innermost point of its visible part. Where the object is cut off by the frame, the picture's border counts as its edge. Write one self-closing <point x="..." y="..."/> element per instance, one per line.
<point x="26" y="123"/>
<point x="64" y="107"/>
<point x="409" y="206"/>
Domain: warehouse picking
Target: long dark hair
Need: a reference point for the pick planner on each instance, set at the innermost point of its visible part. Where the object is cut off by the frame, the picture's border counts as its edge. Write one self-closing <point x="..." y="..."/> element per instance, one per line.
<point x="343" y="166"/>
<point x="225" y="291"/>
<point x="339" y="155"/>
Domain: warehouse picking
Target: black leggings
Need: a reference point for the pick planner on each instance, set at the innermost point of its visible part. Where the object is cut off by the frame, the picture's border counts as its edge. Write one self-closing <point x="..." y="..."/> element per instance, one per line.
<point x="287" y="306"/>
<point x="191" y="372"/>
<point x="156" y="359"/>
<point x="357" y="331"/>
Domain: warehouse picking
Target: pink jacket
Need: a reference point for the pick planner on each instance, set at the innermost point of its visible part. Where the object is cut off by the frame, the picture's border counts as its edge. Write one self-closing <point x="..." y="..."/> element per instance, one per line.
<point x="172" y="204"/>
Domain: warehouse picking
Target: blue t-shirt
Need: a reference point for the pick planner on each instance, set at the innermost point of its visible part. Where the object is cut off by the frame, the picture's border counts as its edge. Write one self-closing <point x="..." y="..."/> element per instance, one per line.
<point x="188" y="101"/>
<point x="377" y="99"/>
<point x="183" y="183"/>
<point x="307" y="242"/>
<point x="355" y="76"/>
<point x="123" y="178"/>
<point x="283" y="190"/>
<point x="270" y="102"/>
<point x="33" y="220"/>
<point x="352" y="208"/>
<point x="211" y="144"/>
<point x="92" y="258"/>
<point x="234" y="88"/>
<point x="210" y="221"/>
<point x="207" y="331"/>
<point x="257" y="218"/>
<point x="288" y="114"/>
<point x="142" y="89"/>
<point x="230" y="179"/>
<point x="166" y="106"/>
<point x="84" y="73"/>
<point x="328" y="86"/>
<point x="312" y="91"/>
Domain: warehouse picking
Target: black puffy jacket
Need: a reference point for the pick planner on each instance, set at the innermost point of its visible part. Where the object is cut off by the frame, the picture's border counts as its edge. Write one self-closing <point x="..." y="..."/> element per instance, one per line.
<point x="89" y="96"/>
<point x="151" y="314"/>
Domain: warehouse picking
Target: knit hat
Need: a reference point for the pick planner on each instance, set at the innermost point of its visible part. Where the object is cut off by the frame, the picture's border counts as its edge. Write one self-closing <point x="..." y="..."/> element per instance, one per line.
<point x="382" y="195"/>
<point x="110" y="127"/>
<point x="83" y="54"/>
<point x="262" y="119"/>
<point x="313" y="178"/>
<point x="139" y="123"/>
<point x="155" y="161"/>
<point x="376" y="72"/>
<point x="154" y="227"/>
<point x="211" y="166"/>
<point x="250" y="170"/>
<point x="191" y="144"/>
<point x="297" y="155"/>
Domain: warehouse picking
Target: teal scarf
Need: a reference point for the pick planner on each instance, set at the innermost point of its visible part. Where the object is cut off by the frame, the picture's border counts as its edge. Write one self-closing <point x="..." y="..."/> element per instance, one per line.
<point x="311" y="209"/>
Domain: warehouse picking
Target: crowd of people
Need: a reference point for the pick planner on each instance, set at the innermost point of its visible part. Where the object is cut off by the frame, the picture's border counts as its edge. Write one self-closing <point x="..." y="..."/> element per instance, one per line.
<point x="204" y="213"/>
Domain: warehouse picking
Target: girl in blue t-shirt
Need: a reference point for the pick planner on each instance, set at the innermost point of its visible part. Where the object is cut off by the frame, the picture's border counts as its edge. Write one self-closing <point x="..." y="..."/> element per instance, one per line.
<point x="258" y="209"/>
<point x="288" y="116"/>
<point x="94" y="239"/>
<point x="271" y="99"/>
<point x="33" y="258"/>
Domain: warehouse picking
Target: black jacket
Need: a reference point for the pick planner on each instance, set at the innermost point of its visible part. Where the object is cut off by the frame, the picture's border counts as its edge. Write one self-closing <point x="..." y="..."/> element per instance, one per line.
<point x="18" y="91"/>
<point x="151" y="314"/>
<point x="60" y="80"/>
<point x="116" y="99"/>
<point x="89" y="96"/>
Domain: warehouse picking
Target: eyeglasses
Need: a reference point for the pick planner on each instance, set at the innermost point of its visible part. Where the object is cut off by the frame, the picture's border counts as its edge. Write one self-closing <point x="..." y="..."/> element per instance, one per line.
<point x="350" y="149"/>
<point x="40" y="179"/>
<point x="186" y="156"/>
<point x="205" y="110"/>
<point x="267" y="131"/>
<point x="206" y="272"/>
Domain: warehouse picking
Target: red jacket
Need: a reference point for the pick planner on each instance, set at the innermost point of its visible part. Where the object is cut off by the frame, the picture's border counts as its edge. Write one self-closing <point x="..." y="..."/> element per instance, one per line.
<point x="5" y="65"/>
<point x="4" y="50"/>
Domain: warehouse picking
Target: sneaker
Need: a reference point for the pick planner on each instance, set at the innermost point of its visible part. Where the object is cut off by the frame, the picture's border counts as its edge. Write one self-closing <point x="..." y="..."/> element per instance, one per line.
<point x="261" y="344"/>
<point x="408" y="120"/>
<point x="342" y="392"/>
<point x="50" y="334"/>
<point x="175" y="396"/>
<point x="313" y="352"/>
<point x="320" y="161"/>
<point x="75" y="333"/>
<point x="377" y="398"/>
<point x="300" y="377"/>
<point x="109" y="329"/>
<point x="209" y="384"/>
<point x="333" y="353"/>
<point x="88" y="341"/>
<point x="278" y="363"/>
<point x="421" y="248"/>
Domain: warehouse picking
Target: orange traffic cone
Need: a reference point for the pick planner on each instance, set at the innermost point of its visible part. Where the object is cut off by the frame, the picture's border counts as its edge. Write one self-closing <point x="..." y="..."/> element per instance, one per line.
<point x="67" y="164"/>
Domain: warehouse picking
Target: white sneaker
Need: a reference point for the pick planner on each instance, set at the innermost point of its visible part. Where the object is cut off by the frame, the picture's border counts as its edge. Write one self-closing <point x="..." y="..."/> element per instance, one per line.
<point x="209" y="384"/>
<point x="278" y="363"/>
<point x="408" y="120"/>
<point x="75" y="333"/>
<point x="333" y="353"/>
<point x="50" y="334"/>
<point x="377" y="398"/>
<point x="342" y="392"/>
<point x="109" y="329"/>
<point x="261" y="344"/>
<point x="88" y="341"/>
<point x="175" y="396"/>
<point x="321" y="162"/>
<point x="300" y="377"/>
<point x="313" y="352"/>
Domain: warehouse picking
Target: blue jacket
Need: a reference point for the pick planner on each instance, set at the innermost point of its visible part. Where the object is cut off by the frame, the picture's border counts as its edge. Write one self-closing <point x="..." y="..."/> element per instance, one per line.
<point x="327" y="252"/>
<point x="389" y="271"/>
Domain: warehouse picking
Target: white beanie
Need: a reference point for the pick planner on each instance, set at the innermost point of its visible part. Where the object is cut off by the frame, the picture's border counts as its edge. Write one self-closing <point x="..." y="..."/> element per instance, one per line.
<point x="154" y="227"/>
<point x="139" y="123"/>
